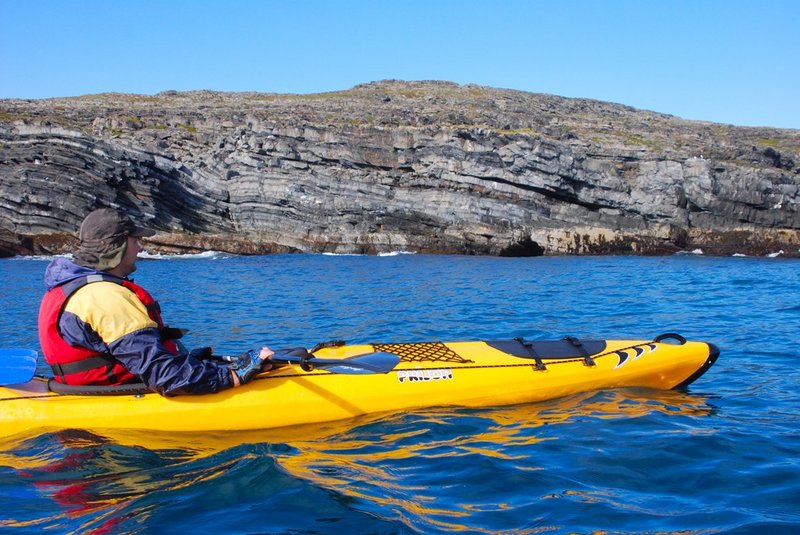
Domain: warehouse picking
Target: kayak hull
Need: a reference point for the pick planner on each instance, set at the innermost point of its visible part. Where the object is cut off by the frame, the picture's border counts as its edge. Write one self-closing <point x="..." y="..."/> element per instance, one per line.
<point x="466" y="374"/>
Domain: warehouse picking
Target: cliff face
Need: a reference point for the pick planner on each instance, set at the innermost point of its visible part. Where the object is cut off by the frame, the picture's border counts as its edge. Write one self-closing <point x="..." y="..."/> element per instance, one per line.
<point x="422" y="166"/>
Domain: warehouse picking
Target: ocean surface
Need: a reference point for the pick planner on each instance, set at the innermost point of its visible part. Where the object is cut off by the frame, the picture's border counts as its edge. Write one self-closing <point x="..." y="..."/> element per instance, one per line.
<point x="722" y="456"/>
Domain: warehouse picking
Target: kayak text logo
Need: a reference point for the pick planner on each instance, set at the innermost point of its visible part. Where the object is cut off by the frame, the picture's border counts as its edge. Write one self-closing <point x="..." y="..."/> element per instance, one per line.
<point x="412" y="376"/>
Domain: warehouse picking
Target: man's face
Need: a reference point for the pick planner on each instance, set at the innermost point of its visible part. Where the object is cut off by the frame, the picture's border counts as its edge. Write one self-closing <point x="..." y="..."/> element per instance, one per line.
<point x="128" y="263"/>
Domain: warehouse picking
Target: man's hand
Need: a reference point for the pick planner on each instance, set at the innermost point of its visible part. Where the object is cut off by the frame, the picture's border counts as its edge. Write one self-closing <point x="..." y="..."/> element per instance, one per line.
<point x="248" y="365"/>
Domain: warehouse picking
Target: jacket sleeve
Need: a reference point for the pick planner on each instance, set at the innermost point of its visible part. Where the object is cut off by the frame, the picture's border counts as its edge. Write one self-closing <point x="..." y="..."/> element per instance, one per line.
<point x="109" y="318"/>
<point x="143" y="354"/>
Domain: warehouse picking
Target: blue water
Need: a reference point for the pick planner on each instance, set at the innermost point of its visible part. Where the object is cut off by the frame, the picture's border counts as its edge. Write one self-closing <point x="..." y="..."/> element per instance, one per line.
<point x="722" y="456"/>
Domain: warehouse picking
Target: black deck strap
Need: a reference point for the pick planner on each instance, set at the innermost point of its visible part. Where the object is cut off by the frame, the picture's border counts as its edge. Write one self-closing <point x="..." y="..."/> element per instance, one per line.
<point x="587" y="358"/>
<point x="330" y="343"/>
<point x="83" y="365"/>
<point x="539" y="366"/>
<point x="95" y="390"/>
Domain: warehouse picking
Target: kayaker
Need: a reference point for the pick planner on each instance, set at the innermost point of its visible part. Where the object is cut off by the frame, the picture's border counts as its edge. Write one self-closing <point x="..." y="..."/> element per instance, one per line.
<point x="97" y="327"/>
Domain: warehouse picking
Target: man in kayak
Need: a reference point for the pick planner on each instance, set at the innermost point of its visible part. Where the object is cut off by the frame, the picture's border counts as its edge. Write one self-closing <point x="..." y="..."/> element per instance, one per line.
<point x="97" y="327"/>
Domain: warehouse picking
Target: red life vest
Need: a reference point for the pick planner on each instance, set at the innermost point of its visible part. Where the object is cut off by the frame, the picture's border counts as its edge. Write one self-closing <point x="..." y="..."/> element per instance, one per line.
<point x="80" y="365"/>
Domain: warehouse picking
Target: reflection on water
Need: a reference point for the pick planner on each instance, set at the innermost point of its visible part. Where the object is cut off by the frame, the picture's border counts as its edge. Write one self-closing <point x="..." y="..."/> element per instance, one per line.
<point x="415" y="469"/>
<point x="388" y="462"/>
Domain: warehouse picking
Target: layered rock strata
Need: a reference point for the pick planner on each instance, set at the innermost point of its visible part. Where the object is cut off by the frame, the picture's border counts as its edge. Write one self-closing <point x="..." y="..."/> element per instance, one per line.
<point x="412" y="166"/>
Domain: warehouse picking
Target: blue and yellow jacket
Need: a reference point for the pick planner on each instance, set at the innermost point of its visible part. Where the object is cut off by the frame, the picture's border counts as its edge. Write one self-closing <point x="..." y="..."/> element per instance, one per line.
<point x="95" y="328"/>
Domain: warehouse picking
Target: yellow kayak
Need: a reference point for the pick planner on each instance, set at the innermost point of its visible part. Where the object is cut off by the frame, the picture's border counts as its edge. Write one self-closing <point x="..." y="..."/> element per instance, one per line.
<point x="466" y="374"/>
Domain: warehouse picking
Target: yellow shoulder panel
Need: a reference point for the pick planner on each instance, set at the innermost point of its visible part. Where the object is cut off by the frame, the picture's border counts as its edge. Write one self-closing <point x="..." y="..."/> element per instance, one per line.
<point x="110" y="309"/>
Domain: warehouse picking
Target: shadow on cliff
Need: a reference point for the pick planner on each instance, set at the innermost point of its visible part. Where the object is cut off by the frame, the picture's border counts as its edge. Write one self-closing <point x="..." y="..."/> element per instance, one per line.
<point x="60" y="175"/>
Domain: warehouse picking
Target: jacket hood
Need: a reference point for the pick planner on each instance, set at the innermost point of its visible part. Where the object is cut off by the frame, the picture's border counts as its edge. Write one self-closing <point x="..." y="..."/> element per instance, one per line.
<point x="62" y="270"/>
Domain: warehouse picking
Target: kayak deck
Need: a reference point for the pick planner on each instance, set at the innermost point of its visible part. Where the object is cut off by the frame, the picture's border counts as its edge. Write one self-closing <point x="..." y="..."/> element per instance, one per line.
<point x="468" y="374"/>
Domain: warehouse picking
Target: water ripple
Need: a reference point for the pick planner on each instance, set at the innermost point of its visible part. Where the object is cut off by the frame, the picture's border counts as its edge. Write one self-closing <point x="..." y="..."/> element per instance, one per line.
<point x="721" y="456"/>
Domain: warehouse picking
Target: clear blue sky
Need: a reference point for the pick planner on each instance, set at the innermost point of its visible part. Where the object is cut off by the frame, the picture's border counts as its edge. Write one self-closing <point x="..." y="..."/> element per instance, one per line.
<point x="729" y="61"/>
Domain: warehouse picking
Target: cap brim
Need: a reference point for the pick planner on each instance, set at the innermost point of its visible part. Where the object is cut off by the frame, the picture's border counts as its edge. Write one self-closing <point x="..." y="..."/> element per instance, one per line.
<point x="141" y="232"/>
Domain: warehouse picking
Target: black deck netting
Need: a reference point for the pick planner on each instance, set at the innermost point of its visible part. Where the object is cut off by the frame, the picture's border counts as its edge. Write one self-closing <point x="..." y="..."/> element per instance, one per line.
<point x="422" y="352"/>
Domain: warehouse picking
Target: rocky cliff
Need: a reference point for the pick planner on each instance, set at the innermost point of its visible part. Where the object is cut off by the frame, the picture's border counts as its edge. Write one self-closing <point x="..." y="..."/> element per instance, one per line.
<point x="417" y="166"/>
